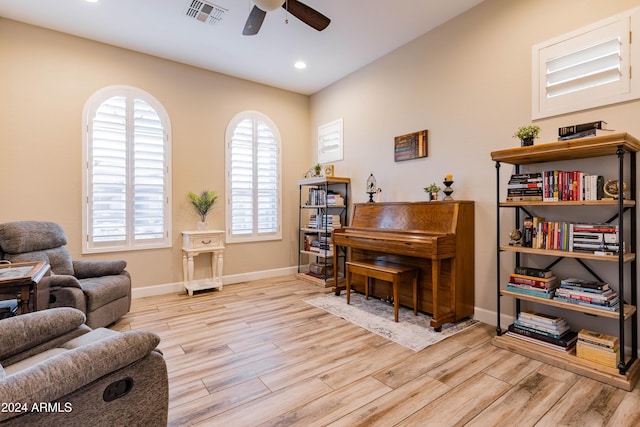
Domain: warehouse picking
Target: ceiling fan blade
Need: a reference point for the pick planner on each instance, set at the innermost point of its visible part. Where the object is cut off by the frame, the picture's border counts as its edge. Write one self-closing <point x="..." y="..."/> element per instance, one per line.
<point x="309" y="16"/>
<point x="254" y="21"/>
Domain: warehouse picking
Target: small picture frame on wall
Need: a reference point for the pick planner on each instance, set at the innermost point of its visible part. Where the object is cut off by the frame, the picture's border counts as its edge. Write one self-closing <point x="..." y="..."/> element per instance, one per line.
<point x="328" y="170"/>
<point x="410" y="146"/>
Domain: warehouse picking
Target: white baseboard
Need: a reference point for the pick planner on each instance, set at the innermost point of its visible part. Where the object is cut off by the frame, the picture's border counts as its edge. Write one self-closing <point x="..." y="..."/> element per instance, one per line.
<point x="490" y="318"/>
<point x="177" y="287"/>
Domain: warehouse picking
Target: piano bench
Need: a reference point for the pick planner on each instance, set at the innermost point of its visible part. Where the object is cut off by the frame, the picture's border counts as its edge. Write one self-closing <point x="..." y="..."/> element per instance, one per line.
<point x="387" y="271"/>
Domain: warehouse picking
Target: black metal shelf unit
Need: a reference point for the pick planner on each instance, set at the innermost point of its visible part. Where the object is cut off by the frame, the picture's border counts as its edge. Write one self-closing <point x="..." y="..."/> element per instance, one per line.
<point x="624" y="147"/>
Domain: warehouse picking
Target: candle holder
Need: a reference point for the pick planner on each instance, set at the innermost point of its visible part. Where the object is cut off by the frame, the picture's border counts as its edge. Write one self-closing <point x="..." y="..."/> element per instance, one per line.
<point x="447" y="190"/>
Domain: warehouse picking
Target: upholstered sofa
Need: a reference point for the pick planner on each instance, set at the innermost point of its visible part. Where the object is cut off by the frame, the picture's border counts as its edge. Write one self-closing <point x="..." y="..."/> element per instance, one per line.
<point x="56" y="371"/>
<point x="100" y="289"/>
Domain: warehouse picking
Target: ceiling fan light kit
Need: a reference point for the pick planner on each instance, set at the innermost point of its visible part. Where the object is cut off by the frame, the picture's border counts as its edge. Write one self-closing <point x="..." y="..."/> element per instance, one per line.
<point x="269" y="5"/>
<point x="306" y="14"/>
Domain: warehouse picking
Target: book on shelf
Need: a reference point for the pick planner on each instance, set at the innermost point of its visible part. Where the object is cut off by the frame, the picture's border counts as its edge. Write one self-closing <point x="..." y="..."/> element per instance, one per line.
<point x="533" y="271"/>
<point x="535" y="292"/>
<point x="586" y="134"/>
<point x="536" y="282"/>
<point x="605" y="298"/>
<point x="566" y="341"/>
<point x="593" y="337"/>
<point x="539" y="342"/>
<point x="556" y="331"/>
<point x="527" y="232"/>
<point x="593" y="354"/>
<point x="536" y="316"/>
<point x="615" y="307"/>
<point x="574" y="129"/>
<point x="584" y="284"/>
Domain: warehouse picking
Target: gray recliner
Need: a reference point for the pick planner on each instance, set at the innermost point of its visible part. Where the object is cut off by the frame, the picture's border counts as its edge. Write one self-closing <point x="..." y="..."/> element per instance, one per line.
<point x="100" y="289"/>
<point x="55" y="371"/>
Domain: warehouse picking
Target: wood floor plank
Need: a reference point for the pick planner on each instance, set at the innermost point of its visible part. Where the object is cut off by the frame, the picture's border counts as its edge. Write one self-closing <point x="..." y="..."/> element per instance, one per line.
<point x="332" y="406"/>
<point x="586" y="403"/>
<point x="461" y="368"/>
<point x="524" y="404"/>
<point x="396" y="405"/>
<point x="256" y="354"/>
<point x="461" y="404"/>
<point x="271" y="405"/>
<point x="627" y="414"/>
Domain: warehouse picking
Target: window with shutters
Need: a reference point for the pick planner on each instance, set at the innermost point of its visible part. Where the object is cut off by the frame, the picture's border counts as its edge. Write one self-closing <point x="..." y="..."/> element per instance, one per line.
<point x="587" y="68"/>
<point x="127" y="187"/>
<point x="253" y="188"/>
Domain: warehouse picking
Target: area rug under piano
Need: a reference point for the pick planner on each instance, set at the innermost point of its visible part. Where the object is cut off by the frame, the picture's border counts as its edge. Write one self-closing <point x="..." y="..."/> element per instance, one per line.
<point x="376" y="316"/>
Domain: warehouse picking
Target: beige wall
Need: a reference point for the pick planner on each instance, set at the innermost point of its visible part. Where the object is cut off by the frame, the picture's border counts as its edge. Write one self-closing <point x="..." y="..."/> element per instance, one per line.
<point x="469" y="83"/>
<point x="45" y="79"/>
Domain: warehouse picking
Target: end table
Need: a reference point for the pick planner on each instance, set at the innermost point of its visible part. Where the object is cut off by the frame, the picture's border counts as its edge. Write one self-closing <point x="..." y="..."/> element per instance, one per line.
<point x="193" y="244"/>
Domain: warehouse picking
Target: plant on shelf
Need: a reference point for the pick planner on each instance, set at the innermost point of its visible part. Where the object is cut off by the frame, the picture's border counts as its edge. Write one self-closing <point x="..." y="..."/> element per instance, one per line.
<point x="317" y="168"/>
<point x="432" y="189"/>
<point x="526" y="134"/>
<point x="203" y="203"/>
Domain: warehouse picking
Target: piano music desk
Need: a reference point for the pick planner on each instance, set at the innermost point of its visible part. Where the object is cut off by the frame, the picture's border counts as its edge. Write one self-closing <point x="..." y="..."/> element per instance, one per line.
<point x="387" y="271"/>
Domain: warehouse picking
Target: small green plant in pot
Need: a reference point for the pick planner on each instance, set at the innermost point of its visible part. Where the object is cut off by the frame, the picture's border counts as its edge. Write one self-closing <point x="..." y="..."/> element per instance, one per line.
<point x="317" y="168"/>
<point x="203" y="203"/>
<point x="432" y="190"/>
<point x="527" y="134"/>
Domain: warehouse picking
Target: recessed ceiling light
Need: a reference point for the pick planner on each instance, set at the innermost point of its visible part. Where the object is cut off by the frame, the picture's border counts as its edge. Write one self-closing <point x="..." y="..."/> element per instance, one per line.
<point x="300" y="65"/>
<point x="92" y="1"/>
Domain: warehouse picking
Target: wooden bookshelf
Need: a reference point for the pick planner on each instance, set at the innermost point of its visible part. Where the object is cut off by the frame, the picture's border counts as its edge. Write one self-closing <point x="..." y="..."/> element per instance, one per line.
<point x="623" y="147"/>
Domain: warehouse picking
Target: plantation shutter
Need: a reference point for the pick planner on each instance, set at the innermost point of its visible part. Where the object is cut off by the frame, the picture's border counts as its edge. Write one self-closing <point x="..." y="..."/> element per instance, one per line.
<point x="587" y="68"/>
<point x="253" y="180"/>
<point x="127" y="177"/>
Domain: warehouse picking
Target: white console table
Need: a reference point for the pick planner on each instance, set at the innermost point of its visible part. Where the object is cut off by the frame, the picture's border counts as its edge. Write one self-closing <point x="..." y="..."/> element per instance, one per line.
<point x="193" y="244"/>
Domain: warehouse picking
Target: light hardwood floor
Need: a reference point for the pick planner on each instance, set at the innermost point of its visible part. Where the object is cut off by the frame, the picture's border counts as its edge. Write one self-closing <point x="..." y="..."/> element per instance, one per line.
<point x="256" y="354"/>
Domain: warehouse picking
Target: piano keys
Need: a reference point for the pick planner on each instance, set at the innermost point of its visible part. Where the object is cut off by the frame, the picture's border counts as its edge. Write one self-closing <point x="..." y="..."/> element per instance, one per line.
<point x="437" y="237"/>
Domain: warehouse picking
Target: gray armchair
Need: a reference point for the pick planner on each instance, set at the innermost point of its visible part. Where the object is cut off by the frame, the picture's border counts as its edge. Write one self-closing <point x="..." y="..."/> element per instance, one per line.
<point x="54" y="370"/>
<point x="100" y="289"/>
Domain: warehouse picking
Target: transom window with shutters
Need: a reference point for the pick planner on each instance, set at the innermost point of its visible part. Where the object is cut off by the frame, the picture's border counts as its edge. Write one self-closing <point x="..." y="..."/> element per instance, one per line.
<point x="253" y="187"/>
<point x="126" y="189"/>
<point x="587" y="68"/>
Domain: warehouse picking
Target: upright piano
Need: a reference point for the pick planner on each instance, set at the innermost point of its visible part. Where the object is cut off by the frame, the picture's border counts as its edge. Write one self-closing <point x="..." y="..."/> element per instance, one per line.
<point x="437" y="237"/>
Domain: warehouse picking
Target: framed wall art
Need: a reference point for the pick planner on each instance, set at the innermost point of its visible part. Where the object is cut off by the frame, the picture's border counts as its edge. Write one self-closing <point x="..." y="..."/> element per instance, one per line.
<point x="410" y="146"/>
<point x="330" y="143"/>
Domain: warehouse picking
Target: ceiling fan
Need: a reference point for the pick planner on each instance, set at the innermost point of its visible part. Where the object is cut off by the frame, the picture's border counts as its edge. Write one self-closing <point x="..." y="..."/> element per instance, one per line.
<point x="306" y="14"/>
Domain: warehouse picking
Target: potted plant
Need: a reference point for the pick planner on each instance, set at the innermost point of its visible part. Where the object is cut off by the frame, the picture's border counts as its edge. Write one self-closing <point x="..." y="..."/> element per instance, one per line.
<point x="432" y="189"/>
<point x="317" y="168"/>
<point x="527" y="134"/>
<point x="203" y="203"/>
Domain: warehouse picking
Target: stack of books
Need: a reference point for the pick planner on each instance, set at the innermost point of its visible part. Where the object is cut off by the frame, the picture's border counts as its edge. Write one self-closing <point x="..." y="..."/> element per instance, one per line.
<point x="583" y="130"/>
<point x="543" y="329"/>
<point x="542" y="287"/>
<point x="599" y="348"/>
<point x="588" y="293"/>
<point x="334" y="199"/>
<point x="599" y="239"/>
<point x="525" y="187"/>
<point x="322" y="222"/>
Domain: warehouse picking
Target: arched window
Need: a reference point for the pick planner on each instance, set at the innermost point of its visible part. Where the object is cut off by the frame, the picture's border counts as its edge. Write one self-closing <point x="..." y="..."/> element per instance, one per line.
<point x="127" y="187"/>
<point x="253" y="187"/>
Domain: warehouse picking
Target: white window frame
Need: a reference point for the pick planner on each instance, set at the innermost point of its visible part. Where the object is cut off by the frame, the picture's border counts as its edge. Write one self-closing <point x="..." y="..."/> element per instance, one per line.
<point x="129" y="243"/>
<point x="255" y="236"/>
<point x="622" y="87"/>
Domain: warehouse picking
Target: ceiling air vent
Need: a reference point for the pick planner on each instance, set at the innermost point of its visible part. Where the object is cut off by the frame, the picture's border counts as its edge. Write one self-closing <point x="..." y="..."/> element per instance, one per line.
<point x="205" y="12"/>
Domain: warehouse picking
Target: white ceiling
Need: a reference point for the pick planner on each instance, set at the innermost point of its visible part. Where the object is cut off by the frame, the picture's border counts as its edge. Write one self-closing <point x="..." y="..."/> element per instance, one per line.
<point x="360" y="32"/>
